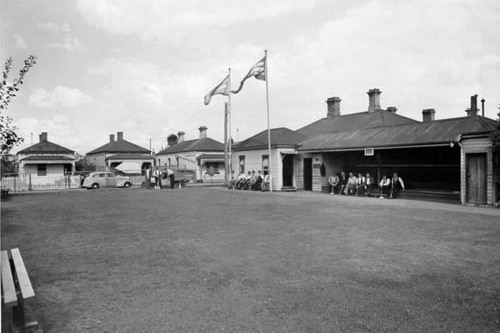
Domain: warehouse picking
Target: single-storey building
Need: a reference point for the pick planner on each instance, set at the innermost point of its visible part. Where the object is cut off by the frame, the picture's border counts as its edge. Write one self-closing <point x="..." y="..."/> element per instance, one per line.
<point x="433" y="156"/>
<point x="117" y="152"/>
<point x="46" y="158"/>
<point x="203" y="156"/>
<point x="252" y="154"/>
<point x="454" y="159"/>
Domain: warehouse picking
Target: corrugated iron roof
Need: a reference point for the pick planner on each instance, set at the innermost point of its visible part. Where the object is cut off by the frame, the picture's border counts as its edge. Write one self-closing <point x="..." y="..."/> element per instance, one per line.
<point x="119" y="146"/>
<point x="203" y="144"/>
<point x="211" y="156"/>
<point x="47" y="158"/>
<point x="354" y="121"/>
<point x="414" y="134"/>
<point x="130" y="156"/>
<point x="280" y="137"/>
<point x="46" y="147"/>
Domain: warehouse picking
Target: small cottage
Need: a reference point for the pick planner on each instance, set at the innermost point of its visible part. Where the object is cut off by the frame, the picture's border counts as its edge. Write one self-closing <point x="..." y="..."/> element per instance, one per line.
<point x="203" y="156"/>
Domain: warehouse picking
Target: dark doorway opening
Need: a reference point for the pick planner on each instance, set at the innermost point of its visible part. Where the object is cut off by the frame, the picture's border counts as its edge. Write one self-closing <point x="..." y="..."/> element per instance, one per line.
<point x="308" y="174"/>
<point x="288" y="171"/>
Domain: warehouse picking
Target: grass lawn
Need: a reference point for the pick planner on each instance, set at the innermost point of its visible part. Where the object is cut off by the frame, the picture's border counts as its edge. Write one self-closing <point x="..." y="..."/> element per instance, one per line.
<point x="215" y="260"/>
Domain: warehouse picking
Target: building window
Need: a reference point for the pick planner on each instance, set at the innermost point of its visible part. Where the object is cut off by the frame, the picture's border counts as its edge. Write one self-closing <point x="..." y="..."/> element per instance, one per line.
<point x="213" y="165"/>
<point x="242" y="164"/>
<point x="265" y="163"/>
<point x="42" y="170"/>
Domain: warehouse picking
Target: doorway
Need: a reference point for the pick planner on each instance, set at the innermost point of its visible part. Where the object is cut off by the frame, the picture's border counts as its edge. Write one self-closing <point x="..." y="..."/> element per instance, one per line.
<point x="476" y="179"/>
<point x="308" y="174"/>
<point x="288" y="171"/>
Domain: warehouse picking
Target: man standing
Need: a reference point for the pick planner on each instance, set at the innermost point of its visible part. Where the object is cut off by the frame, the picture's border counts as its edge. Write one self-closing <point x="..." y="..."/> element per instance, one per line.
<point x="396" y="185"/>
<point x="369" y="184"/>
<point x="334" y="183"/>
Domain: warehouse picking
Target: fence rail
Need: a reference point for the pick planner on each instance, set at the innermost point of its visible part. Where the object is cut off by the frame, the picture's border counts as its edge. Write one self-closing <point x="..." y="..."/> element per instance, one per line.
<point x="30" y="182"/>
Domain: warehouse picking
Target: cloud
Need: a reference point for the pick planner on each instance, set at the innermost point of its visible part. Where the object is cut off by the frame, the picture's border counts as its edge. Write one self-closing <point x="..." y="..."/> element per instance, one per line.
<point x="153" y="19"/>
<point x="418" y="57"/>
<point x="60" y="97"/>
<point x="54" y="27"/>
<point x="20" y="42"/>
<point x="71" y="44"/>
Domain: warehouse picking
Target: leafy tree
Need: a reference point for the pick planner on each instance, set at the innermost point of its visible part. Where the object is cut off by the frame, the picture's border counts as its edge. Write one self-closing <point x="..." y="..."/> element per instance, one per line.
<point x="84" y="165"/>
<point x="8" y="90"/>
<point x="172" y="140"/>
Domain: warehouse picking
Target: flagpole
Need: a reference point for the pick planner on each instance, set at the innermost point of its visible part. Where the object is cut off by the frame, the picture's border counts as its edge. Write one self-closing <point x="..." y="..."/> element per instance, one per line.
<point x="228" y="144"/>
<point x="268" y="126"/>
<point x="225" y="144"/>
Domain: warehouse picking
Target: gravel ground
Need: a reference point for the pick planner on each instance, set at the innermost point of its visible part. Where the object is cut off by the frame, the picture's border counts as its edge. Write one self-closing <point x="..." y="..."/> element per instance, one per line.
<point x="215" y="260"/>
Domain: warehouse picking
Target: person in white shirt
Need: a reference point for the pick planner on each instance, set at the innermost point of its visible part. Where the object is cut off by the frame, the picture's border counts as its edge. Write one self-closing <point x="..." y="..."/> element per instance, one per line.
<point x="385" y="186"/>
<point x="351" y="184"/>
<point x="333" y="180"/>
<point x="396" y="185"/>
<point x="369" y="184"/>
<point x="360" y="185"/>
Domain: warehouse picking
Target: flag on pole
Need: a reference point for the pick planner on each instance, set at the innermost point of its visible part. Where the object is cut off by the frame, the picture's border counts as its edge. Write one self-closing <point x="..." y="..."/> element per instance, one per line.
<point x="221" y="89"/>
<point x="258" y="71"/>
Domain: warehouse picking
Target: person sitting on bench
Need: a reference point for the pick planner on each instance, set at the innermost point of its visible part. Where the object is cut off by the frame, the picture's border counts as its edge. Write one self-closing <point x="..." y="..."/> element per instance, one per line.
<point x="342" y="183"/>
<point x="351" y="184"/>
<point x="256" y="181"/>
<point x="360" y="185"/>
<point x="369" y="184"/>
<point x="240" y="182"/>
<point x="385" y="186"/>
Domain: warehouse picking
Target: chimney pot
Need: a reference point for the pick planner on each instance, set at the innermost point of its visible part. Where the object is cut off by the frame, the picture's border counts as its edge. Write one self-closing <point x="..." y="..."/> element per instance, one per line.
<point x="333" y="107"/>
<point x="43" y="137"/>
<point x="119" y="136"/>
<point x="374" y="100"/>
<point x="428" y="115"/>
<point x="111" y="138"/>
<point x="203" y="132"/>
<point x="180" y="136"/>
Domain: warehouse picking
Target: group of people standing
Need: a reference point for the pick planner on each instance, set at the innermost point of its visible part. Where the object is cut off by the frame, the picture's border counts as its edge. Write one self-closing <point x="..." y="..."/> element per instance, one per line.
<point x="364" y="185"/>
<point x="154" y="177"/>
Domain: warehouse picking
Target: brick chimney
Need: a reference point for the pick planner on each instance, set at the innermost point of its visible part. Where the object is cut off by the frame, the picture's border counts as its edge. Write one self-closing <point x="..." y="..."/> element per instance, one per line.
<point x="374" y="100"/>
<point x="111" y="138"/>
<point x="180" y="136"/>
<point x="203" y="132"/>
<point x="43" y="137"/>
<point x="392" y="109"/>
<point x="428" y="115"/>
<point x="472" y="111"/>
<point x="119" y="136"/>
<point x="333" y="107"/>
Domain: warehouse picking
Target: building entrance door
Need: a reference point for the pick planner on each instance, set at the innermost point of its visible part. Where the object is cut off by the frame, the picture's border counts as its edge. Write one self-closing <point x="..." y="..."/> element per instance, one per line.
<point x="476" y="179"/>
<point x="288" y="171"/>
<point x="308" y="174"/>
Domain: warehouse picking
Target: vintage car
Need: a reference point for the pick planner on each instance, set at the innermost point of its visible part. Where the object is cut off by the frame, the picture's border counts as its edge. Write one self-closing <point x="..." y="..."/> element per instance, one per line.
<point x="96" y="180"/>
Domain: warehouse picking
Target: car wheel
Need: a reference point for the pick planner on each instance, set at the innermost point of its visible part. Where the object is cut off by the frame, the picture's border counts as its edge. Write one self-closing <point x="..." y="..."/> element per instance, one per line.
<point x="95" y="186"/>
<point x="127" y="185"/>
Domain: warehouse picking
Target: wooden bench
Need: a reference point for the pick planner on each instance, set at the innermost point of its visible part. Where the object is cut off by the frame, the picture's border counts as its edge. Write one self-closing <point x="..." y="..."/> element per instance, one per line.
<point x="16" y="289"/>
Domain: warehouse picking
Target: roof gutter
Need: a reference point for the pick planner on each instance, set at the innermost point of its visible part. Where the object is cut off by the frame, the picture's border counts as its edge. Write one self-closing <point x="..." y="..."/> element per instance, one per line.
<point x="443" y="144"/>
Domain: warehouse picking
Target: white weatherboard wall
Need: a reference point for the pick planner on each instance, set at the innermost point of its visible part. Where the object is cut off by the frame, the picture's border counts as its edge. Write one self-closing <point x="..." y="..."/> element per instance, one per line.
<point x="473" y="146"/>
<point x="188" y="160"/>
<point x="253" y="162"/>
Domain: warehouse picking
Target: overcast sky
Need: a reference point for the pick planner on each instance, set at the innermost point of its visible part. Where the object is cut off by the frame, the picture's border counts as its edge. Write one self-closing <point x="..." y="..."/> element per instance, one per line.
<point x="143" y="67"/>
